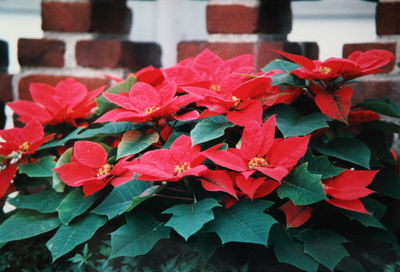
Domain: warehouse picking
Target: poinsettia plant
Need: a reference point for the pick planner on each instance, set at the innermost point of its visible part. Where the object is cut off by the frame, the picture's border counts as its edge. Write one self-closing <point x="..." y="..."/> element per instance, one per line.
<point x="208" y="165"/>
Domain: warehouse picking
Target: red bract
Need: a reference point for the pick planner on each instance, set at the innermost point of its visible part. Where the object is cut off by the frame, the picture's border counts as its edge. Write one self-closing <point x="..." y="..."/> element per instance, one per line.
<point x="89" y="168"/>
<point x="260" y="152"/>
<point x="6" y="175"/>
<point x="67" y="101"/>
<point x="144" y="103"/>
<point x="356" y="65"/>
<point x="180" y="160"/>
<point x="23" y="140"/>
<point x="319" y="70"/>
<point x="17" y="142"/>
<point x="362" y="116"/>
<point x="236" y="185"/>
<point x="296" y="215"/>
<point x="345" y="189"/>
<point x="208" y="69"/>
<point x="369" y="61"/>
<point x="335" y="104"/>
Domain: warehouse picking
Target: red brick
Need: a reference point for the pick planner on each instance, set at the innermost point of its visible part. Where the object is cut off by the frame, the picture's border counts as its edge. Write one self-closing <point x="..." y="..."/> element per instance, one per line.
<point x="371" y="89"/>
<point x="272" y="17"/>
<point x="137" y="55"/>
<point x="6" y="93"/>
<point x="23" y="84"/>
<point x="66" y="17"/>
<point x="99" y="53"/>
<point x="351" y="47"/>
<point x="118" y="54"/>
<point x="260" y="50"/>
<point x="235" y="19"/>
<point x="111" y="16"/>
<point x="41" y="52"/>
<point x="387" y="18"/>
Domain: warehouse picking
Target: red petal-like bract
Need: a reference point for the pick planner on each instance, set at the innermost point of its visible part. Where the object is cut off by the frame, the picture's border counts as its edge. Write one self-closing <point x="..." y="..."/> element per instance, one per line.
<point x="346" y="188"/>
<point x="6" y="175"/>
<point x="296" y="215"/>
<point x="260" y="151"/>
<point x="336" y="104"/>
<point x="182" y="159"/>
<point x="218" y="180"/>
<point x="89" y="168"/>
<point x="68" y="101"/>
<point x="362" y="116"/>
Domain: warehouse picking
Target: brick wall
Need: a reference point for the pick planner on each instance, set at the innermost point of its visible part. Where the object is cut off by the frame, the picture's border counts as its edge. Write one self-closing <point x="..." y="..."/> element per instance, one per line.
<point x="252" y="26"/>
<point x="86" y="39"/>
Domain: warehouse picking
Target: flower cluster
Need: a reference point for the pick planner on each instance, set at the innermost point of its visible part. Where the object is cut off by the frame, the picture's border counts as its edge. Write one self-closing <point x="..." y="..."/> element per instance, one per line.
<point x="212" y="132"/>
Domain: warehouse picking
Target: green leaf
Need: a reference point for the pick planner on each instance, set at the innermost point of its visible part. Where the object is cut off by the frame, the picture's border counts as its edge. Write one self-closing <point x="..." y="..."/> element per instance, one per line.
<point x="82" y="133"/>
<point x="387" y="183"/>
<point x="347" y="149"/>
<point x="280" y="64"/>
<point x="321" y="165"/>
<point x="138" y="236"/>
<point x="289" y="250"/>
<point x="209" y="129"/>
<point x="365" y="219"/>
<point x="135" y="141"/>
<point x="325" y="246"/>
<point x="25" y="224"/>
<point x="104" y="105"/>
<point x="382" y="105"/>
<point x="349" y="264"/>
<point x="291" y="123"/>
<point x="244" y="222"/>
<point x="288" y="80"/>
<point x="205" y="244"/>
<point x="197" y="214"/>
<point x="57" y="184"/>
<point x="68" y="237"/>
<point x="125" y="197"/>
<point x="44" y="202"/>
<point x="73" y="205"/>
<point x="41" y="168"/>
<point x="302" y="187"/>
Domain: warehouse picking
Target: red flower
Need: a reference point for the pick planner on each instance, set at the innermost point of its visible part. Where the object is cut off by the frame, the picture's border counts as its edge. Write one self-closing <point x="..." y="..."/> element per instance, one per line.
<point x="345" y="189"/>
<point x="23" y="140"/>
<point x="67" y="101"/>
<point x="236" y="185"/>
<point x="6" y="176"/>
<point x="17" y="142"/>
<point x="180" y="160"/>
<point x="144" y="102"/>
<point x="356" y="65"/>
<point x="260" y="152"/>
<point x="89" y="168"/>
<point x="296" y="215"/>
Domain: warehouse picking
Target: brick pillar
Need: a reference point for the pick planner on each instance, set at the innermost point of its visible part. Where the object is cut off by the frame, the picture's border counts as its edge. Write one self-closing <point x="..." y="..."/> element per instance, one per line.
<point x="252" y="26"/>
<point x="86" y="39"/>
<point x="387" y="83"/>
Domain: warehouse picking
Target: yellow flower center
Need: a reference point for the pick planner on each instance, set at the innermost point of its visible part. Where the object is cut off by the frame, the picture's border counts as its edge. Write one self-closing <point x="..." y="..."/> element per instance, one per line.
<point x="181" y="167"/>
<point x="215" y="87"/>
<point x="24" y="147"/>
<point x="236" y="100"/>
<point x="151" y="109"/>
<point x="325" y="70"/>
<point x="104" y="169"/>
<point x="257" y="162"/>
